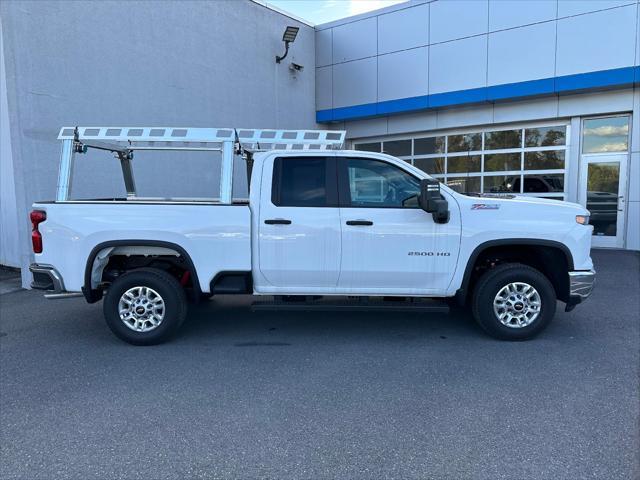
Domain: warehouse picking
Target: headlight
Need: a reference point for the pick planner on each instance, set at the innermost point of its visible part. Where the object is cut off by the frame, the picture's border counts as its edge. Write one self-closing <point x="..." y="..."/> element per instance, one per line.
<point x="582" y="219"/>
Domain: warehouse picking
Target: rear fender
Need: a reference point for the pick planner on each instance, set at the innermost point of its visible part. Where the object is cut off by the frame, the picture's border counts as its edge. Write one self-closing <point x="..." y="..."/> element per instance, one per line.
<point x="99" y="257"/>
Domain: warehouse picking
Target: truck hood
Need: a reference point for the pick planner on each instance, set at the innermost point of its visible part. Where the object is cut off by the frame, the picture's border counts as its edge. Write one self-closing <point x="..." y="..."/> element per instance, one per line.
<point x="489" y="202"/>
<point x="548" y="201"/>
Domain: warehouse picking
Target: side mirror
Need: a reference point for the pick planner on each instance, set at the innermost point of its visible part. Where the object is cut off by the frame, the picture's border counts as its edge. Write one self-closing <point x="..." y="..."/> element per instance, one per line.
<point x="432" y="202"/>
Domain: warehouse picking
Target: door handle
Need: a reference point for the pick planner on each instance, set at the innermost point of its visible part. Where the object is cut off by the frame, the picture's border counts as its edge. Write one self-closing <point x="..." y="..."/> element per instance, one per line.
<point x="620" y="203"/>
<point x="277" y="221"/>
<point x="363" y="223"/>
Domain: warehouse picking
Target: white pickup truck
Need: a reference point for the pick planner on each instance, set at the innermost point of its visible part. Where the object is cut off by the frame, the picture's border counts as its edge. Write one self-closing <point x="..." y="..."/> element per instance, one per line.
<point x="322" y="228"/>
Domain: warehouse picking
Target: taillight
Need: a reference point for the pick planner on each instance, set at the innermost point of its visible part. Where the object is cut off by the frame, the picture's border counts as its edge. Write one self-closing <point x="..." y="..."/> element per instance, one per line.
<point x="37" y="217"/>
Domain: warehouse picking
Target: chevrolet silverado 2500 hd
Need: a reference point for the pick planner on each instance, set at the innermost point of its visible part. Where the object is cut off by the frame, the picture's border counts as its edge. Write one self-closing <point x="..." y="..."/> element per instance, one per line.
<point x="321" y="224"/>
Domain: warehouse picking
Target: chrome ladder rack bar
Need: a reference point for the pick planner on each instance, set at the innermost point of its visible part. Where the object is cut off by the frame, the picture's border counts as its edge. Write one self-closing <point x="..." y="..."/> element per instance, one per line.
<point x="65" y="171"/>
<point x="136" y="137"/>
<point x="320" y="138"/>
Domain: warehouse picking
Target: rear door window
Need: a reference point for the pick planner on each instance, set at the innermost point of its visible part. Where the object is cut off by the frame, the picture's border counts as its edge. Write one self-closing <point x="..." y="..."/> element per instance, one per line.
<point x="304" y="182"/>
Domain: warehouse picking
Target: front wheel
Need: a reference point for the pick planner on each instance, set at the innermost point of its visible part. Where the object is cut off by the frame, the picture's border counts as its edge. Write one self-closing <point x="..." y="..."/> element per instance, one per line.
<point x="145" y="306"/>
<point x="513" y="302"/>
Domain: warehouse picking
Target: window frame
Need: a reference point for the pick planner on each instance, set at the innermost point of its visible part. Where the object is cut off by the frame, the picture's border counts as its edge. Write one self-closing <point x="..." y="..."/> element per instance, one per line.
<point x="344" y="190"/>
<point x="330" y="176"/>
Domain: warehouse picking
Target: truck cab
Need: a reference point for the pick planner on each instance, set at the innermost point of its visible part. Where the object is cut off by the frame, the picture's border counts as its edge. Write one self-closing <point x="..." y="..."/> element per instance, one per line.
<point x="323" y="227"/>
<point x="349" y="223"/>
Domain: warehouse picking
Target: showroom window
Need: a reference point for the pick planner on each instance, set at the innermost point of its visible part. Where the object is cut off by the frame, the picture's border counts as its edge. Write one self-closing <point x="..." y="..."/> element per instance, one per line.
<point x="526" y="159"/>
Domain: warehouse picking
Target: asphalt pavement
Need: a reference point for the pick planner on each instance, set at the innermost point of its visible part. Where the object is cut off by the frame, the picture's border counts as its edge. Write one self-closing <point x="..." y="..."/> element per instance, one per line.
<point x="323" y="395"/>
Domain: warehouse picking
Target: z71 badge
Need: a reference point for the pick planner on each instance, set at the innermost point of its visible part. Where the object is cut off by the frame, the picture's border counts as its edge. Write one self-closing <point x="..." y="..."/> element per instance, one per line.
<point x="485" y="206"/>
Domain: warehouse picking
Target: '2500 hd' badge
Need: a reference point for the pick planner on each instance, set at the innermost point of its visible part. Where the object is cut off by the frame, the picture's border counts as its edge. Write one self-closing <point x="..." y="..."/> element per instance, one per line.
<point x="485" y="206"/>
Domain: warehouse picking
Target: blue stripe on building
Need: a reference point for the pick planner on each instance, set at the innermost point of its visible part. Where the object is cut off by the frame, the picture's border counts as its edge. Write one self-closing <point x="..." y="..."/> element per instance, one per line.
<point x="614" y="78"/>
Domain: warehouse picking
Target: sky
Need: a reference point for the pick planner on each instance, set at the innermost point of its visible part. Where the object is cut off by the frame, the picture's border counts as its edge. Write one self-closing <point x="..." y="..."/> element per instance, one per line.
<point x="323" y="11"/>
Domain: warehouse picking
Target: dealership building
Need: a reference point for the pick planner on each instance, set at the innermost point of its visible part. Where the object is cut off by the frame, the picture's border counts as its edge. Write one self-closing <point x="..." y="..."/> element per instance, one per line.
<point x="538" y="97"/>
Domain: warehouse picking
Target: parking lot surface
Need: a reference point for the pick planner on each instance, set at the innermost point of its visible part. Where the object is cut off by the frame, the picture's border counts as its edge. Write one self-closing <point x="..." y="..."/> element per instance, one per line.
<point x="323" y="395"/>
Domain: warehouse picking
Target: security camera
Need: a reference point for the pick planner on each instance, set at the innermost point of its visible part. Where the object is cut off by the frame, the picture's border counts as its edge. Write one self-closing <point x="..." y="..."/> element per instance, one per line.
<point x="294" y="67"/>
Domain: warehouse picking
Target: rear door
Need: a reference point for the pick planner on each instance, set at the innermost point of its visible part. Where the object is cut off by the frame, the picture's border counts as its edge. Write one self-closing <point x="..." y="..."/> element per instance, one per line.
<point x="389" y="244"/>
<point x="299" y="225"/>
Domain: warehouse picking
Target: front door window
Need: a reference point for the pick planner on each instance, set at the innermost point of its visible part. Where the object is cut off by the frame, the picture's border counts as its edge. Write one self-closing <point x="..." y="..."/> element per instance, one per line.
<point x="373" y="183"/>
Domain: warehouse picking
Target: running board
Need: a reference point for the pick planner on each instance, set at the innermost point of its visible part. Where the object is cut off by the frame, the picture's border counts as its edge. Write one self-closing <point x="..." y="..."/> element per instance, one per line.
<point x="59" y="296"/>
<point x="423" y="306"/>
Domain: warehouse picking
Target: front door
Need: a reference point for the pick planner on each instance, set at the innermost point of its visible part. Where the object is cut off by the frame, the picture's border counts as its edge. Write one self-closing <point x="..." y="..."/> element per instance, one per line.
<point x="390" y="246"/>
<point x="602" y="193"/>
<point x="299" y="225"/>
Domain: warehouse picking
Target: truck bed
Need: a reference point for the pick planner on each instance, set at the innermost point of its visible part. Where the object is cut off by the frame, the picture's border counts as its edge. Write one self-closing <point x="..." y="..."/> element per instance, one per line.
<point x="217" y="237"/>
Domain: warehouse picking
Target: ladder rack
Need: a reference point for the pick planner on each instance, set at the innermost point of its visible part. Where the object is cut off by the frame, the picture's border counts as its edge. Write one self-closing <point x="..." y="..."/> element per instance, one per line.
<point x="229" y="141"/>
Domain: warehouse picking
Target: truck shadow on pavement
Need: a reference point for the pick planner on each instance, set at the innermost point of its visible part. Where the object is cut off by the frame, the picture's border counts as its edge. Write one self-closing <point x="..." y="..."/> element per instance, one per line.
<point x="231" y="320"/>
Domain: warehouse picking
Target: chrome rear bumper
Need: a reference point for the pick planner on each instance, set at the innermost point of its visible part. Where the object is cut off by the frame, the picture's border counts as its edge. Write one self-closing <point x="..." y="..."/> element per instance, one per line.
<point x="46" y="277"/>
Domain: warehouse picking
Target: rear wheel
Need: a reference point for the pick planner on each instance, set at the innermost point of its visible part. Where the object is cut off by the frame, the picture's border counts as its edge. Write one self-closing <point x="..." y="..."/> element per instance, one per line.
<point x="146" y="306"/>
<point x="513" y="302"/>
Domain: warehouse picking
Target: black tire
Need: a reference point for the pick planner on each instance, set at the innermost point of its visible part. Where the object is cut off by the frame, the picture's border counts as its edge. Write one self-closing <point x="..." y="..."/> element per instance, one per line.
<point x="172" y="293"/>
<point x="493" y="281"/>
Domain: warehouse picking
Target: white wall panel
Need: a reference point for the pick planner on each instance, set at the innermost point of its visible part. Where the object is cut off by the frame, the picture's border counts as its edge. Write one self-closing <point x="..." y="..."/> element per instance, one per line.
<point x="403" y="29"/>
<point x="634" y="165"/>
<point x="324" y="88"/>
<point x="355" y="83"/>
<point x="572" y="161"/>
<point x="10" y="252"/>
<point x="568" y="8"/>
<point x="465" y="116"/>
<point x="355" y="40"/>
<point x="595" y="103"/>
<point x="412" y="122"/>
<point x="538" y="109"/>
<point x="521" y="54"/>
<point x="635" y="127"/>
<point x="458" y="65"/>
<point x="515" y="13"/>
<point x="323" y="47"/>
<point x="633" y="226"/>
<point x="372" y="127"/>
<point x="638" y="34"/>
<point x="634" y="179"/>
<point x="597" y="41"/>
<point x="403" y="74"/>
<point x="452" y="19"/>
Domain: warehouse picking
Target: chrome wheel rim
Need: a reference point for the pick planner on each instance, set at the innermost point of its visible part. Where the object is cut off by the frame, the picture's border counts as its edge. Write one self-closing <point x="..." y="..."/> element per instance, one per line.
<point x="141" y="309"/>
<point x="517" y="305"/>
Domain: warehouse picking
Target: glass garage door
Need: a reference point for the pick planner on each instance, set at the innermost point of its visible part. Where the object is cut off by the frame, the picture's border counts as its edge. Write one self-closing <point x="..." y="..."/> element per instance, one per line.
<point x="529" y="160"/>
